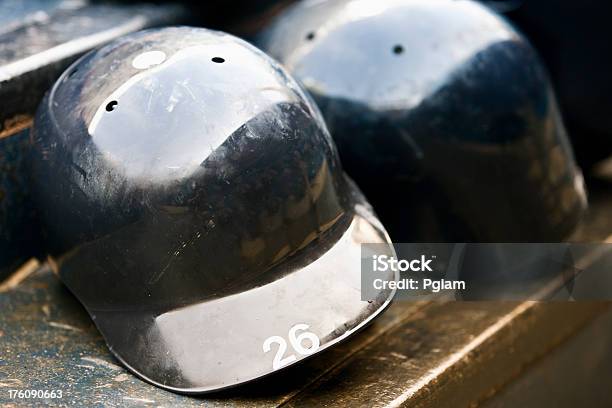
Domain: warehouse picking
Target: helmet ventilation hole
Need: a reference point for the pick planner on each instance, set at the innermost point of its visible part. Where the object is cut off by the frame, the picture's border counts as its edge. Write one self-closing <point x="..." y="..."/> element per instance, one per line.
<point x="218" y="60"/>
<point x="310" y="36"/>
<point x="398" y="49"/>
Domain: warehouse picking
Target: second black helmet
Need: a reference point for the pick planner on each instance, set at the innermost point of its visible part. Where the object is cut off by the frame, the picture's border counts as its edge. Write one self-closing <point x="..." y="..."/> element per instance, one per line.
<point x="443" y="114"/>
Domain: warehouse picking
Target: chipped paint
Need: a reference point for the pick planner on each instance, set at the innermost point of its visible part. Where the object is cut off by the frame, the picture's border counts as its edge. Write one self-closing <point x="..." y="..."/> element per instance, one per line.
<point x="64" y="326"/>
<point x="19" y="275"/>
<point x="102" y="363"/>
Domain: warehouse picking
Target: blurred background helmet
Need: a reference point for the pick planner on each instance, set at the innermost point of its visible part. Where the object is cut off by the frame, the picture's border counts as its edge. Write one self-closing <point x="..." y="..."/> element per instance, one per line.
<point x="442" y="113"/>
<point x="193" y="201"/>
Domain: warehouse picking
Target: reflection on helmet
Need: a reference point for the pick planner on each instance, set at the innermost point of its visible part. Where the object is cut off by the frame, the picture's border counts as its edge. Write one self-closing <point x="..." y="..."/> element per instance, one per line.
<point x="441" y="111"/>
<point x="185" y="182"/>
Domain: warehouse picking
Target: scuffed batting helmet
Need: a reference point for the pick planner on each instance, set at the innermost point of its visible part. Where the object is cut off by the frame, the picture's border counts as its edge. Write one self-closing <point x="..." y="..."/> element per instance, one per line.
<point x="441" y="111"/>
<point x="194" y="203"/>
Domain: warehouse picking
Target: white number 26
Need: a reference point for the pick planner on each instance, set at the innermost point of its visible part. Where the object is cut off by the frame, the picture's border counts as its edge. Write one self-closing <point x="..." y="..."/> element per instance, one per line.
<point x="295" y="341"/>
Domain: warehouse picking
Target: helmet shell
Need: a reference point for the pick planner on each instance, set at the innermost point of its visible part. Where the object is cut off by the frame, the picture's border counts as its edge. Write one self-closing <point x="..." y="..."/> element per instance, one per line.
<point x="441" y="112"/>
<point x="193" y="201"/>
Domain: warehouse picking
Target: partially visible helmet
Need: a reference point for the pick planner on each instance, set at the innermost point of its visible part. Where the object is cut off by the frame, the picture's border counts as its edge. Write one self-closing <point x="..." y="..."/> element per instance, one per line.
<point x="442" y="113"/>
<point x="194" y="203"/>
